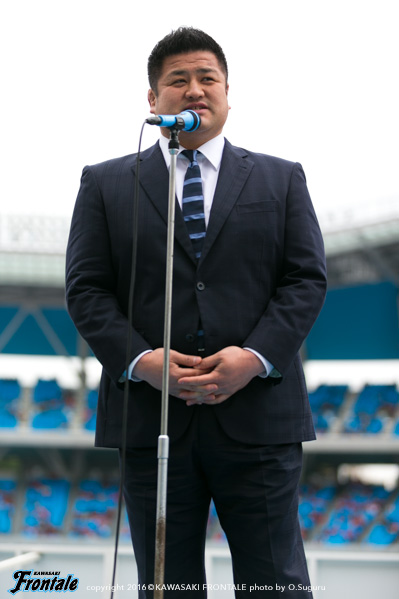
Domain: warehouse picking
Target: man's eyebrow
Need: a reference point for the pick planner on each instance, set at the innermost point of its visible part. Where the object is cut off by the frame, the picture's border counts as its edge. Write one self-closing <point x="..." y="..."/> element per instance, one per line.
<point x="202" y="70"/>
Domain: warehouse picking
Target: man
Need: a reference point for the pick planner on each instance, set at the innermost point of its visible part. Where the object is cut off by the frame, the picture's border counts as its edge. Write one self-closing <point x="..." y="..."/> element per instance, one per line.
<point x="243" y="303"/>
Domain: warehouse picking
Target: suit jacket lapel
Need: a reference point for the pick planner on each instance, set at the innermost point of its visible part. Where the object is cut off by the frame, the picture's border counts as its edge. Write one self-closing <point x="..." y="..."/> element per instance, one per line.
<point x="154" y="179"/>
<point x="234" y="171"/>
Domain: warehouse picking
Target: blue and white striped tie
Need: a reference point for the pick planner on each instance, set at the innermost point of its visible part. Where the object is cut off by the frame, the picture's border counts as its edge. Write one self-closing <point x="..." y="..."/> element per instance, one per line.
<point x="193" y="202"/>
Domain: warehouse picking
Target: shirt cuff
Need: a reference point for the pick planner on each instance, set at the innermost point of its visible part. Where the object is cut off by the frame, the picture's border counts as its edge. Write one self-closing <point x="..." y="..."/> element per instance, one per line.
<point x="133" y="378"/>
<point x="132" y="364"/>
<point x="267" y="365"/>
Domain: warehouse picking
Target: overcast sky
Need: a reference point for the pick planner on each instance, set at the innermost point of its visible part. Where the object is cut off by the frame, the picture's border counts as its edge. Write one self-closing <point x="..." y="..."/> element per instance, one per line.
<point x="310" y="80"/>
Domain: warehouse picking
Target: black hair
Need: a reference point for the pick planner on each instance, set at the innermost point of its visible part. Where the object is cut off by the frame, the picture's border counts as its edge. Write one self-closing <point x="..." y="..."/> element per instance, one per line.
<point x="184" y="39"/>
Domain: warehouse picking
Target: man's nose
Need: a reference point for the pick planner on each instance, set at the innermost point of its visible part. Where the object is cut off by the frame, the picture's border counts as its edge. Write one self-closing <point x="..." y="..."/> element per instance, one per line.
<point x="194" y="89"/>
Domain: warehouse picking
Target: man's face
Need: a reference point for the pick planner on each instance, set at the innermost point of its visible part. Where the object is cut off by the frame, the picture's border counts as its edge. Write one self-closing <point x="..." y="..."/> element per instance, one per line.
<point x="192" y="81"/>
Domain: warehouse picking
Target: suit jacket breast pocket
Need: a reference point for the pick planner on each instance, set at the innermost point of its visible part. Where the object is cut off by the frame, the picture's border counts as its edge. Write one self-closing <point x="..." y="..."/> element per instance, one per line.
<point x="255" y="207"/>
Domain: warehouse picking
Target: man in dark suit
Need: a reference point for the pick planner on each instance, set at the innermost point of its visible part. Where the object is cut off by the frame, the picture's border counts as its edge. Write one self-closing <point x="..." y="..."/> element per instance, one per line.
<point x="240" y="311"/>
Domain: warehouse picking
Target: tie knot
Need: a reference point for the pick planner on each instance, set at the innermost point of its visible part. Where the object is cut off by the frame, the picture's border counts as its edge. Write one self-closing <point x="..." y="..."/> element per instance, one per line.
<point x="191" y="155"/>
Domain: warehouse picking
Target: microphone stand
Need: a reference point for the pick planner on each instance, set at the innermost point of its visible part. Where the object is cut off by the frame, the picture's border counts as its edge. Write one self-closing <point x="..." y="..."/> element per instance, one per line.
<point x="163" y="439"/>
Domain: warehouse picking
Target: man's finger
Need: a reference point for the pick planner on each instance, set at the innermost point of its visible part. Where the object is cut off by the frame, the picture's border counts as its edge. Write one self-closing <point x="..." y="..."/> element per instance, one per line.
<point x="191" y="382"/>
<point x="184" y="359"/>
<point x="209" y="401"/>
<point x="188" y="391"/>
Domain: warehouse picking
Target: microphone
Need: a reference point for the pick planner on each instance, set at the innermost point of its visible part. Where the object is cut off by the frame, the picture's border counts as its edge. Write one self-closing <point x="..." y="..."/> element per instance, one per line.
<point x="185" y="121"/>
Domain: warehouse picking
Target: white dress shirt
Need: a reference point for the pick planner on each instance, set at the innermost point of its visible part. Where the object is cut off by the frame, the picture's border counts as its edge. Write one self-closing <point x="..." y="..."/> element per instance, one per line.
<point x="209" y="162"/>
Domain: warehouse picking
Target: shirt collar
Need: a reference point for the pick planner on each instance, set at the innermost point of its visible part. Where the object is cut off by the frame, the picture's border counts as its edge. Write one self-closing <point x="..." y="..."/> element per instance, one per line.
<point x="212" y="150"/>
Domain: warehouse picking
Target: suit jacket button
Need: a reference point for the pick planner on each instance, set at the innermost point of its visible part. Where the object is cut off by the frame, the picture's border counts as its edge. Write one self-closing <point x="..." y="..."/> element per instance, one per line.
<point x="200" y="286"/>
<point x="190" y="337"/>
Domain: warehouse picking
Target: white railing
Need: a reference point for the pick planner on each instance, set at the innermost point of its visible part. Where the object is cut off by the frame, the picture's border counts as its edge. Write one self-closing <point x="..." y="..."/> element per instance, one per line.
<point x="22" y="559"/>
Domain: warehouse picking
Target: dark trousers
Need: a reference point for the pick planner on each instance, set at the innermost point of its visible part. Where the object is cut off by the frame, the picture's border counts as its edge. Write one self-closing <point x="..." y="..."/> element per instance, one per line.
<point x="255" y="491"/>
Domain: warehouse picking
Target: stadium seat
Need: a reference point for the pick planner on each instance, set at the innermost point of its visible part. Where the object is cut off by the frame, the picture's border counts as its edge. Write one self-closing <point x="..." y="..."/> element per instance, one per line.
<point x="354" y="509"/>
<point x="91" y="410"/>
<point x="55" y="418"/>
<point x="7" y="419"/>
<point x="7" y="504"/>
<point x="94" y="509"/>
<point x="45" y="507"/>
<point x="50" y="409"/>
<point x="47" y="391"/>
<point x="10" y="391"/>
<point x="325" y="403"/>
<point x="314" y="501"/>
<point x="373" y="408"/>
<point x="393" y="512"/>
<point x="380" y="535"/>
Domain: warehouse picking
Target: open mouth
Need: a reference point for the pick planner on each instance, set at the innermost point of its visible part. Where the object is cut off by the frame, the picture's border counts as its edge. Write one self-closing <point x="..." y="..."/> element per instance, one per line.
<point x="196" y="107"/>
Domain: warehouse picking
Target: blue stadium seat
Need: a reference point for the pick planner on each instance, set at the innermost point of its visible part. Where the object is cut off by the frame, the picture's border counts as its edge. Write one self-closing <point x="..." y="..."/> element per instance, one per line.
<point x="7" y="419"/>
<point x="355" y="508"/>
<point x="7" y="504"/>
<point x="50" y="407"/>
<point x="45" y="507"/>
<point x="380" y="535"/>
<point x="51" y="419"/>
<point x="94" y="509"/>
<point x="91" y="411"/>
<point x="314" y="501"/>
<point x="393" y="513"/>
<point x="374" y="406"/>
<point x="47" y="391"/>
<point x="10" y="391"/>
<point x="325" y="402"/>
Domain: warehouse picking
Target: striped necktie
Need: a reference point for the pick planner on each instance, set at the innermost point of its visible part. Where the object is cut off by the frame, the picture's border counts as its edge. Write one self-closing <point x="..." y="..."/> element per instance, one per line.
<point x="193" y="202"/>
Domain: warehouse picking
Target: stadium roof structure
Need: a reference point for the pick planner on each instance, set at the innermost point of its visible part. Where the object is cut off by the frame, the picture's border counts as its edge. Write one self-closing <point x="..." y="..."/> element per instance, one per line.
<point x="362" y="248"/>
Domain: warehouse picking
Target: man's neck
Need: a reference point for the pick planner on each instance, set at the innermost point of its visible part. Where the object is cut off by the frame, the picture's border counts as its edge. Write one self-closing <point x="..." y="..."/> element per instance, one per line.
<point x="190" y="141"/>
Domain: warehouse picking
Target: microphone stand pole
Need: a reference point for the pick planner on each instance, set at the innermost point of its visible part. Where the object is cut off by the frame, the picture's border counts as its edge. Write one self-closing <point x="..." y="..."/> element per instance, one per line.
<point x="163" y="439"/>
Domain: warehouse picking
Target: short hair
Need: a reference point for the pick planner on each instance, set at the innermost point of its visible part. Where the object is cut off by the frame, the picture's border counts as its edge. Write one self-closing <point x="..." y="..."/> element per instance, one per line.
<point x="184" y="39"/>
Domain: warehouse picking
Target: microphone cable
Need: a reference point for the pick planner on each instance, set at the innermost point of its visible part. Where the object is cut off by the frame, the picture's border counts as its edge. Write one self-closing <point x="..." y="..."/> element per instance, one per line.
<point x="127" y="363"/>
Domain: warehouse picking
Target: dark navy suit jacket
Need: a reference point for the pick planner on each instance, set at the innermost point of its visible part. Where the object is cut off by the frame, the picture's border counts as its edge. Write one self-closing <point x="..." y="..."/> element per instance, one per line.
<point x="260" y="283"/>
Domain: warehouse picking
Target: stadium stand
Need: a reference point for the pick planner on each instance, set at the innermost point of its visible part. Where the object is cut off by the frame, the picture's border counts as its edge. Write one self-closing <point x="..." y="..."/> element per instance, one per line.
<point x="72" y="499"/>
<point x="93" y="512"/>
<point x="329" y="513"/>
<point x="313" y="506"/>
<point x="386" y="532"/>
<point x="352" y="512"/>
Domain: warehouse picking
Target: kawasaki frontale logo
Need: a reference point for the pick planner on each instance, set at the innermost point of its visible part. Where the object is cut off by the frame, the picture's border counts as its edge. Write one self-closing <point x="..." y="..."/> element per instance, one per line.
<point x="43" y="581"/>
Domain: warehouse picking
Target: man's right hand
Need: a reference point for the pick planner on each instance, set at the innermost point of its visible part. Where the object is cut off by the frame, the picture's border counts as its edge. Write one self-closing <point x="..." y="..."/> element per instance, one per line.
<point x="150" y="368"/>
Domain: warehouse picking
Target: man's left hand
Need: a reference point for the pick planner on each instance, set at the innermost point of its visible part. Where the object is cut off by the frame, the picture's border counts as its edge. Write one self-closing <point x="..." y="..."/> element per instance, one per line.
<point x="232" y="368"/>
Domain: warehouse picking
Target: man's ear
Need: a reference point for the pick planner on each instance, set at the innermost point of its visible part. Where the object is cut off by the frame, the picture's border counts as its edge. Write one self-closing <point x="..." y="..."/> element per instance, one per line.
<point x="227" y="93"/>
<point x="151" y="100"/>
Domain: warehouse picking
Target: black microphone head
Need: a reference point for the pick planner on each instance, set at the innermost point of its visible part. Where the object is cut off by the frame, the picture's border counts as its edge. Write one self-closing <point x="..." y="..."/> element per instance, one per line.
<point x="154" y="120"/>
